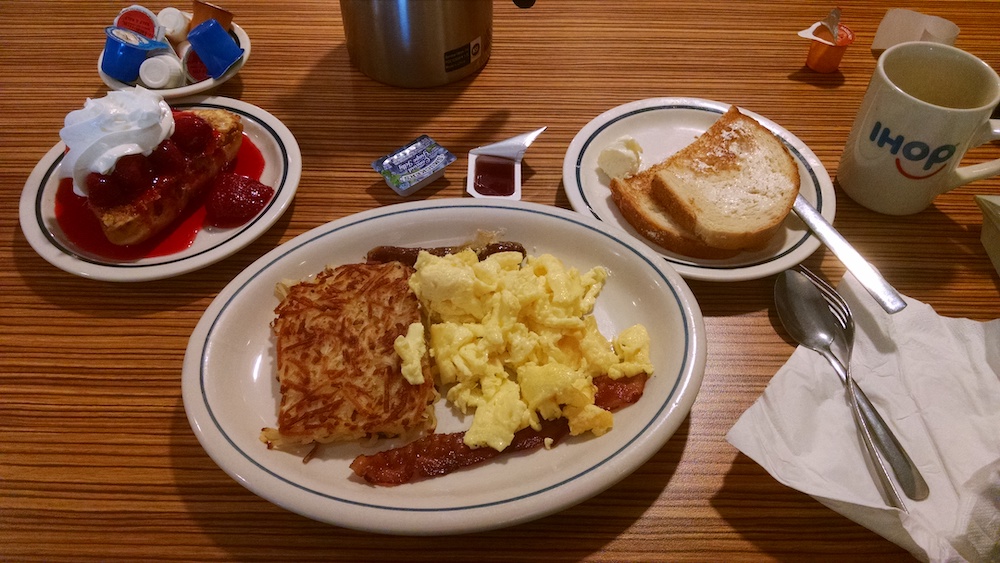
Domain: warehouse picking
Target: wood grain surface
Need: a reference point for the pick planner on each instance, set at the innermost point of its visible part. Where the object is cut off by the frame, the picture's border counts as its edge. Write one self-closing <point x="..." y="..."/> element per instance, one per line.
<point x="98" y="461"/>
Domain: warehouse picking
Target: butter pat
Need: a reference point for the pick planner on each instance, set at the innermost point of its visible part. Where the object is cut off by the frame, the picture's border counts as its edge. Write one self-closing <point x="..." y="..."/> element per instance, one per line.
<point x="621" y="158"/>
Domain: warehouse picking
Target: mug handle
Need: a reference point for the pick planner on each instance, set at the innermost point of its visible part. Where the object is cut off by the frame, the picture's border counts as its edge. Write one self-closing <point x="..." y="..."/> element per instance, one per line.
<point x="965" y="174"/>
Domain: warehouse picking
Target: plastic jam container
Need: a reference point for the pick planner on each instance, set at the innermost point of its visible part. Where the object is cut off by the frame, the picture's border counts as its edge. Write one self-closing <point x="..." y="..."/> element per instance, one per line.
<point x="494" y="177"/>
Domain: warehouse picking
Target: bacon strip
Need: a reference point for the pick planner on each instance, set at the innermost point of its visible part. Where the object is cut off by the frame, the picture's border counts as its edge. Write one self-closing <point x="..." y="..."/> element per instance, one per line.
<point x="614" y="394"/>
<point x="440" y="454"/>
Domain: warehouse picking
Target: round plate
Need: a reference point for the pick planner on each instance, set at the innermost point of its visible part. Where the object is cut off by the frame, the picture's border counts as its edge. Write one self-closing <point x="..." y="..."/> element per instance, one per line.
<point x="242" y="39"/>
<point x="282" y="170"/>
<point x="662" y="126"/>
<point x="230" y="389"/>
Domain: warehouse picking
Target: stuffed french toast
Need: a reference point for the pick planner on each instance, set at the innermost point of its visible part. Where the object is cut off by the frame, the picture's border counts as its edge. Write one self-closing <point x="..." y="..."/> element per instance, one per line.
<point x="140" y="163"/>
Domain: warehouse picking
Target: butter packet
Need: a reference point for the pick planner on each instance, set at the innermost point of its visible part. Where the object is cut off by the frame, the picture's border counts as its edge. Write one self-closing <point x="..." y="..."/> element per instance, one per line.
<point x="414" y="165"/>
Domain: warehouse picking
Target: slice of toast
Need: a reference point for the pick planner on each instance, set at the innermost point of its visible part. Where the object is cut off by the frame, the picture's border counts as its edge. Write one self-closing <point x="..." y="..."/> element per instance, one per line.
<point x="732" y="187"/>
<point x="155" y="207"/>
<point x="633" y="198"/>
<point x="341" y="378"/>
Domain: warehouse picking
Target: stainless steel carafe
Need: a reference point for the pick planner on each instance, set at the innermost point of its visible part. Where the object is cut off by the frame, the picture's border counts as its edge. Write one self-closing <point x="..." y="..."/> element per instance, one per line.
<point x="418" y="43"/>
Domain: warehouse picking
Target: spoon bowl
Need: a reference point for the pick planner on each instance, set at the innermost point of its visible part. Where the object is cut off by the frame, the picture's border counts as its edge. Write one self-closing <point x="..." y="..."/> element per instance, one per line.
<point x="803" y="312"/>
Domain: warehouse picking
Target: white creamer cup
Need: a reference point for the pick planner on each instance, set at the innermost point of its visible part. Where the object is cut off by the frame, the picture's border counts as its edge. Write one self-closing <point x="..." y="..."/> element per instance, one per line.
<point x="926" y="105"/>
<point x="175" y="24"/>
<point x="162" y="71"/>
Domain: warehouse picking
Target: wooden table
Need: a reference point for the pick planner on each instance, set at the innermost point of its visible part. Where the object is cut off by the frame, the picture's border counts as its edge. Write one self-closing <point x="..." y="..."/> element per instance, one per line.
<point x="97" y="459"/>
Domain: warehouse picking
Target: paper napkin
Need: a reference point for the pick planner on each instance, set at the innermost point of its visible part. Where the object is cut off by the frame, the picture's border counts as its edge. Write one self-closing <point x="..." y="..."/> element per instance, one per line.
<point x="900" y="25"/>
<point x="936" y="381"/>
<point x="990" y="236"/>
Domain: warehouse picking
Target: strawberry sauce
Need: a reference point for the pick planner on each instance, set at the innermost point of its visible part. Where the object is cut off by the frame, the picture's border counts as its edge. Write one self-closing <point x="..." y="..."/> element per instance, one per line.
<point x="81" y="227"/>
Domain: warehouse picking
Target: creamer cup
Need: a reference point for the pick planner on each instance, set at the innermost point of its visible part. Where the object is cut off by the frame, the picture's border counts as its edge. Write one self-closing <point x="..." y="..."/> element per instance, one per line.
<point x="175" y="24"/>
<point x="215" y="47"/>
<point x="141" y="21"/>
<point x="825" y="57"/>
<point x="162" y="71"/>
<point x="124" y="52"/>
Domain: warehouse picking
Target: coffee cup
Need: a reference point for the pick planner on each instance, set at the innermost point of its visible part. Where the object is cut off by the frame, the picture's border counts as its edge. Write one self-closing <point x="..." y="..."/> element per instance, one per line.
<point x="926" y="105"/>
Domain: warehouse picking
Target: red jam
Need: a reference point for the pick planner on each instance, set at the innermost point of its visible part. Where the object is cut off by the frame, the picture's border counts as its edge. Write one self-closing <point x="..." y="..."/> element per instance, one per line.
<point x="81" y="228"/>
<point x="494" y="176"/>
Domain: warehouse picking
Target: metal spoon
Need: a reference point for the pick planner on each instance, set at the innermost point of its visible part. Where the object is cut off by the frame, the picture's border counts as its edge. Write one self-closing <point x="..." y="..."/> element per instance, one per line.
<point x="805" y="315"/>
<point x="907" y="475"/>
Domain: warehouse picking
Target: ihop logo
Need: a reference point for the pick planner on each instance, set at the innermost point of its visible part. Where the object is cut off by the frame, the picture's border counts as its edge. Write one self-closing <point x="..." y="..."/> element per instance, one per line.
<point x="915" y="160"/>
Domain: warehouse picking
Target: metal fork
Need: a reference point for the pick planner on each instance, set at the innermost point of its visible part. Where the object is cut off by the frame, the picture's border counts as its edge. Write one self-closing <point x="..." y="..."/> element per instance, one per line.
<point x="889" y="449"/>
<point x="835" y="301"/>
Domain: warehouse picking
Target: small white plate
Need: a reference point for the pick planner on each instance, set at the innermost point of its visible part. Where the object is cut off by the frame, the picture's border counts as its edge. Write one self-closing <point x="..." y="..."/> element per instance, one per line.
<point x="662" y="126"/>
<point x="230" y="389"/>
<point x="282" y="170"/>
<point x="191" y="89"/>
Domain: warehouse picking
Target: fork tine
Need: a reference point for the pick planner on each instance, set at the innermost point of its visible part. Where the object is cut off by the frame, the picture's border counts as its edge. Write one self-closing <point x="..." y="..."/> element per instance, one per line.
<point x="828" y="291"/>
<point x="837" y="301"/>
<point x="838" y="306"/>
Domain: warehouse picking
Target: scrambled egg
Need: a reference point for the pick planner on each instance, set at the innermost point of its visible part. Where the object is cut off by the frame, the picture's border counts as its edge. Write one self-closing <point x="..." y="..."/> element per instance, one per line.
<point x="411" y="347"/>
<point x="516" y="344"/>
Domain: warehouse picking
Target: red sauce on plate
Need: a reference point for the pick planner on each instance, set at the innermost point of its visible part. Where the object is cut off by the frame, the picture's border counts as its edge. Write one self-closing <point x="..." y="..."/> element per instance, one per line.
<point x="494" y="176"/>
<point x="80" y="226"/>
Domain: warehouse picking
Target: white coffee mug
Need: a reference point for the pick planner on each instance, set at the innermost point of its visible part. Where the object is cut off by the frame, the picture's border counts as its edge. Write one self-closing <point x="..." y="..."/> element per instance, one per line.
<point x="926" y="105"/>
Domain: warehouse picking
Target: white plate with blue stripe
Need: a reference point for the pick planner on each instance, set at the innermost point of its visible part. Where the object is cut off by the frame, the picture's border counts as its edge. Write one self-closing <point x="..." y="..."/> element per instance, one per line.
<point x="282" y="171"/>
<point x="662" y="126"/>
<point x="230" y="389"/>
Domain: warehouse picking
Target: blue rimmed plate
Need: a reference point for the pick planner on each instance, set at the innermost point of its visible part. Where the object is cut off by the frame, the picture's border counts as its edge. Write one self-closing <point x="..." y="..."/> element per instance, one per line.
<point x="282" y="170"/>
<point x="230" y="390"/>
<point x="662" y="126"/>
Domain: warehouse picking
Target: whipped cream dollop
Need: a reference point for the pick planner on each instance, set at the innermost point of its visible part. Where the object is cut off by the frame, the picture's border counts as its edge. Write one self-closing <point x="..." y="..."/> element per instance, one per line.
<point x="122" y="123"/>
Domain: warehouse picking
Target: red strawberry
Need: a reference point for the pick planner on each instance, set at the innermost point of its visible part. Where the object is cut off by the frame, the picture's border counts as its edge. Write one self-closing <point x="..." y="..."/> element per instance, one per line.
<point x="103" y="190"/>
<point x="192" y="134"/>
<point x="133" y="172"/>
<point x="167" y="158"/>
<point x="234" y="200"/>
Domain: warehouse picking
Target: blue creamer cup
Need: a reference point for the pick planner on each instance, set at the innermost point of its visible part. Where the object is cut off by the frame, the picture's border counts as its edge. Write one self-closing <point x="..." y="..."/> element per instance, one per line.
<point x="124" y="52"/>
<point x="215" y="47"/>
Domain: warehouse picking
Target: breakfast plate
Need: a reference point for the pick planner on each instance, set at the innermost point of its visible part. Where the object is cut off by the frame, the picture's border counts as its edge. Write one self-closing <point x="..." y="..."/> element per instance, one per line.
<point x="230" y="390"/>
<point x="663" y="126"/>
<point x="242" y="39"/>
<point x="282" y="170"/>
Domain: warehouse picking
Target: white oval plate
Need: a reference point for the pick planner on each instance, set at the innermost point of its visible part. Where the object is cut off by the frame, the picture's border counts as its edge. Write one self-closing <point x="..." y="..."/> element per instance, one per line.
<point x="662" y="126"/>
<point x="230" y="389"/>
<point x="191" y="89"/>
<point x="282" y="170"/>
